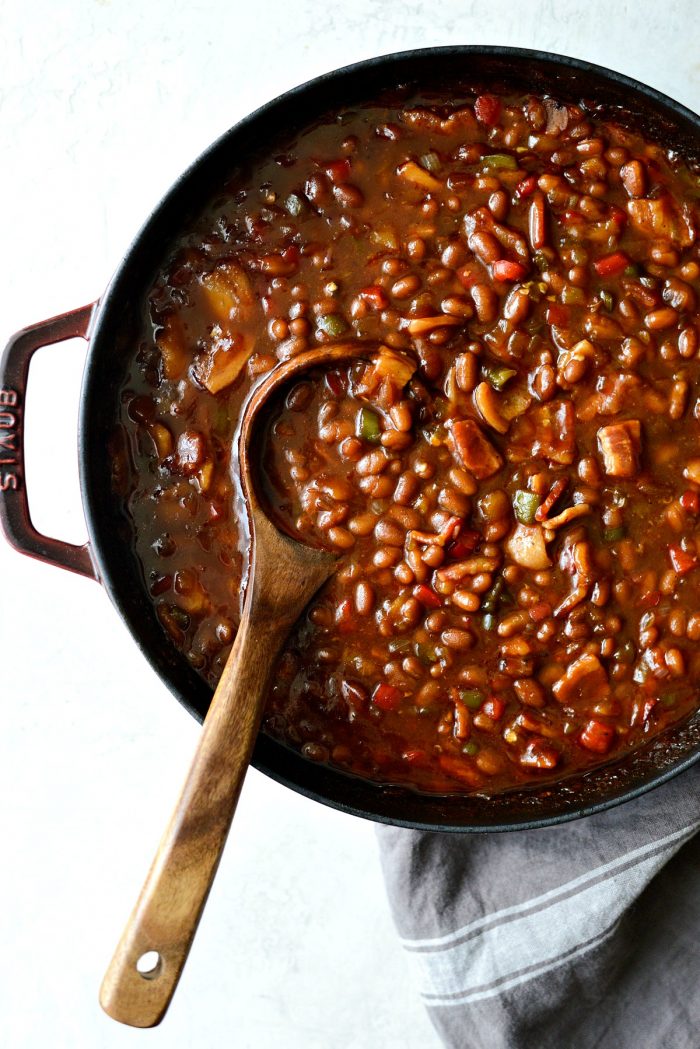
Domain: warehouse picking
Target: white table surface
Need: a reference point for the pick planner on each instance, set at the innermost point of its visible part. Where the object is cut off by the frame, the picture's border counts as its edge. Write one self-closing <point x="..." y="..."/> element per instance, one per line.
<point x="102" y="104"/>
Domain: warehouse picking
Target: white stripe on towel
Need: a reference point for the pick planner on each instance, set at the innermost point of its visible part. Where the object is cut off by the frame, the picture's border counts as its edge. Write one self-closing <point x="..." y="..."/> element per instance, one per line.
<point x="516" y="944"/>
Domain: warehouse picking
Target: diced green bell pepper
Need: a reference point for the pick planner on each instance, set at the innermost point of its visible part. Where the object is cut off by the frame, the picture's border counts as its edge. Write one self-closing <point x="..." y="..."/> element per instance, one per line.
<point x="525" y="506"/>
<point x="368" y="425"/>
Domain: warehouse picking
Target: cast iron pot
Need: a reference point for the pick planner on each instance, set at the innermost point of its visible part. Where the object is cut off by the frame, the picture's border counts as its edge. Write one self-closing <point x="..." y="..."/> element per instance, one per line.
<point x="111" y="328"/>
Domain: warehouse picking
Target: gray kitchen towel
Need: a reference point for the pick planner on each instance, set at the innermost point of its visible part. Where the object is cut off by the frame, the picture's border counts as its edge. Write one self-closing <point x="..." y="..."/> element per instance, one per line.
<point x="572" y="937"/>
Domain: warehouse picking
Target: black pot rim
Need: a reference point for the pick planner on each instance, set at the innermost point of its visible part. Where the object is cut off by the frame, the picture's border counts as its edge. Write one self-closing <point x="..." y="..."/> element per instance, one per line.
<point x="329" y="786"/>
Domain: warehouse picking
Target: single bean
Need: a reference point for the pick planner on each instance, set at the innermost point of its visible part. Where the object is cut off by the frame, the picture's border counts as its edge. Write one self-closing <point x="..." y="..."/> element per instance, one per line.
<point x="466" y="600"/>
<point x="386" y="556"/>
<point x="467" y="371"/>
<point x="404" y="573"/>
<point x="341" y="538"/>
<point x="406" y="286"/>
<point x="406" y="516"/>
<point x="364" y="598"/>
<point x="362" y="524"/>
<point x="390" y="533"/>
<point x="373" y="463"/>
<point x="660" y="320"/>
<point x="460" y="640"/>
<point x="485" y="303"/>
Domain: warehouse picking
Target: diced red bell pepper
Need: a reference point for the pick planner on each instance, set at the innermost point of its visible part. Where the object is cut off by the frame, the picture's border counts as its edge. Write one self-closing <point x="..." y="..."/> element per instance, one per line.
<point x="345" y="616"/>
<point x="540" y="611"/>
<point x="493" y="708"/>
<point x="682" y="561"/>
<point x="597" y="737"/>
<point x="487" y="109"/>
<point x="375" y="297"/>
<point x="650" y="599"/>
<point x="690" y="501"/>
<point x="611" y="265"/>
<point x="426" y="596"/>
<point x="526" y="188"/>
<point x="504" y="269"/>
<point x="618" y="216"/>
<point x="464" y="544"/>
<point x="558" y="315"/>
<point x="386" y="697"/>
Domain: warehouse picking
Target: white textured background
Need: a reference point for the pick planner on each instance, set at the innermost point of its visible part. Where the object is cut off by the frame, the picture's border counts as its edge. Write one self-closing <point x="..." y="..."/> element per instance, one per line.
<point x="102" y="104"/>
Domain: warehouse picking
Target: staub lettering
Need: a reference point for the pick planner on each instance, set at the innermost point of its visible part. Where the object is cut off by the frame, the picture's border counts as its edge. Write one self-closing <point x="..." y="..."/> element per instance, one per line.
<point x="9" y="432"/>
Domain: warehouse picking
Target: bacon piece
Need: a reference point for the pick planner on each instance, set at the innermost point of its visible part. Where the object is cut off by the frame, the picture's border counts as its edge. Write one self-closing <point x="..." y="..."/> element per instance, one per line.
<point x="539" y="755"/>
<point x="460" y="769"/>
<point x="387" y="367"/>
<point x="585" y="673"/>
<point x="597" y="737"/>
<point x="620" y="445"/>
<point x="468" y="444"/>
<point x="557" y="489"/>
<point x="610" y="397"/>
<point x="557" y="117"/>
<point x="568" y="515"/>
<point x="655" y="218"/>
<point x="545" y="432"/>
<point x="487" y="109"/>
<point x="425" y="119"/>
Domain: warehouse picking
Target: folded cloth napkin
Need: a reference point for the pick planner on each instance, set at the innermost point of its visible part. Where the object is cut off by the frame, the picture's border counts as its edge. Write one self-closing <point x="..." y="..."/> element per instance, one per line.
<point x="581" y="935"/>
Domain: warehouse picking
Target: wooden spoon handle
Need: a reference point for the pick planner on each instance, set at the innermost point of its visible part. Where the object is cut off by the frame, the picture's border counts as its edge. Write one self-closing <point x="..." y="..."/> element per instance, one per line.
<point x="165" y="918"/>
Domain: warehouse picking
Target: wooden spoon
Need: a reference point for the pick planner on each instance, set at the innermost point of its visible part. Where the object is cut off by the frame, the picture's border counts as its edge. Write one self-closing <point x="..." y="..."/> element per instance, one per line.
<point x="284" y="576"/>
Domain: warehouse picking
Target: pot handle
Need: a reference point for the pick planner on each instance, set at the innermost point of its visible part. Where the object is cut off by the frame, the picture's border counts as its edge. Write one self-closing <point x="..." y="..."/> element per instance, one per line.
<point x="15" y="520"/>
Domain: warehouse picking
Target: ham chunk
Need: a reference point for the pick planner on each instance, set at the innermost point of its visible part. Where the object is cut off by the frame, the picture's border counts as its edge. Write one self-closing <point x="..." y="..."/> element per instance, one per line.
<point x="545" y="432"/>
<point x="585" y="678"/>
<point x="620" y="444"/>
<point x="468" y="444"/>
